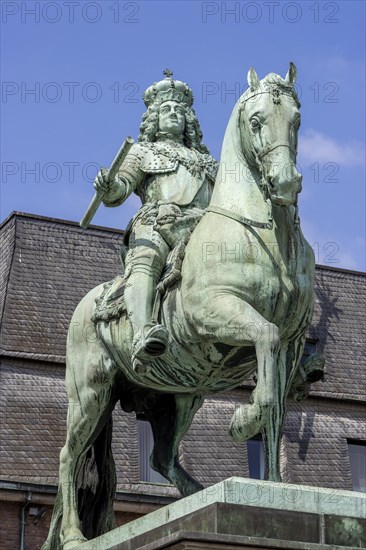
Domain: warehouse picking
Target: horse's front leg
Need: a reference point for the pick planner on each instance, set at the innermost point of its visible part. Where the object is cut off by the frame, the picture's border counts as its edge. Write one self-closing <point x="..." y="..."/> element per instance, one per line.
<point x="249" y="420"/>
<point x="288" y="361"/>
<point x="237" y="323"/>
<point x="170" y="420"/>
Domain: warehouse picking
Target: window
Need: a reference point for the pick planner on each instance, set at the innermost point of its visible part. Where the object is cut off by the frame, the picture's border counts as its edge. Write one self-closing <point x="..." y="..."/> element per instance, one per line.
<point x="357" y="458"/>
<point x="256" y="457"/>
<point x="146" y="444"/>
<point x="310" y="347"/>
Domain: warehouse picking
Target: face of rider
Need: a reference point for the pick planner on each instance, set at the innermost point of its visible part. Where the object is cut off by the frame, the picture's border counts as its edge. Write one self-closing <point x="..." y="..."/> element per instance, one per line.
<point x="171" y="118"/>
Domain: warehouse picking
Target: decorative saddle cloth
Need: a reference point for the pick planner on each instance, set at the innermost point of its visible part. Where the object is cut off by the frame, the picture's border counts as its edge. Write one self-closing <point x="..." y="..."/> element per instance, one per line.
<point x="111" y="303"/>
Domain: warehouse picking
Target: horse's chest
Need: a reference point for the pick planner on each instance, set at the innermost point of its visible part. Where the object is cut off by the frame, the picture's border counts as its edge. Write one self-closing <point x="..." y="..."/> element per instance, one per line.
<point x="283" y="283"/>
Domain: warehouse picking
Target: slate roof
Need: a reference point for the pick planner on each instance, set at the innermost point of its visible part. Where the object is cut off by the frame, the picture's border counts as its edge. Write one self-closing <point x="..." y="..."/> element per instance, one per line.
<point x="48" y="265"/>
<point x="33" y="406"/>
<point x="339" y="325"/>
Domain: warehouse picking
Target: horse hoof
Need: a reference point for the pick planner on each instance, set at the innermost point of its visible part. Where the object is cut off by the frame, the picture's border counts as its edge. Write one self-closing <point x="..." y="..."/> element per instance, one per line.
<point x="191" y="488"/>
<point x="73" y="542"/>
<point x="245" y="423"/>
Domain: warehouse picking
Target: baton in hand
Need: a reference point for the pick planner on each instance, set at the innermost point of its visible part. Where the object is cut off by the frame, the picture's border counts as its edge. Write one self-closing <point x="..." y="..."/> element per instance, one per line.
<point x="112" y="172"/>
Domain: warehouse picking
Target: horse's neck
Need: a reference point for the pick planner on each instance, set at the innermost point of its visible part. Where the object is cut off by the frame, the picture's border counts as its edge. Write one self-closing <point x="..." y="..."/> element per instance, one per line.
<point x="236" y="189"/>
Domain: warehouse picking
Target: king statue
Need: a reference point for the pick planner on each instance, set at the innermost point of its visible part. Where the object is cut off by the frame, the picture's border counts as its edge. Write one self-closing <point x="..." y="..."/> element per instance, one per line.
<point x="173" y="173"/>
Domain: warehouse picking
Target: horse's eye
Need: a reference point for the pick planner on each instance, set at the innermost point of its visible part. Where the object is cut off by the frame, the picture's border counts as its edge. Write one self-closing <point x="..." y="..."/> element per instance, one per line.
<point x="254" y="123"/>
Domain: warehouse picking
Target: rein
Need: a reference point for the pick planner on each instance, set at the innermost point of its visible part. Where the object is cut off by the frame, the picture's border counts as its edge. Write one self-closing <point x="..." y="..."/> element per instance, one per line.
<point x="240" y="219"/>
<point x="275" y="146"/>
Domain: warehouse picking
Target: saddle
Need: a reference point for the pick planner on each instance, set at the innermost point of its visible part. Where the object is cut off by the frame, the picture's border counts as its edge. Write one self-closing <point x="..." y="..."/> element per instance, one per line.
<point x="110" y="305"/>
<point x="176" y="230"/>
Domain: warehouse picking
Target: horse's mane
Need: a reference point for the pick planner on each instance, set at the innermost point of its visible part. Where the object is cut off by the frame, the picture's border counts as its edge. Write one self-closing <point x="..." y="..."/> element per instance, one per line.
<point x="273" y="81"/>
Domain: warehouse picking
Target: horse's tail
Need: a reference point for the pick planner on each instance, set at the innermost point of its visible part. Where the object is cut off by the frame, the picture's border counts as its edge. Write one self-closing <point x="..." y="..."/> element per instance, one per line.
<point x="95" y="489"/>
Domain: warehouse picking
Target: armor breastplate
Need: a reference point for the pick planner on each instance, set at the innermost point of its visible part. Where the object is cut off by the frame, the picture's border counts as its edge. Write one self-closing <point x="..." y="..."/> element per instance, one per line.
<point x="178" y="186"/>
<point x="176" y="174"/>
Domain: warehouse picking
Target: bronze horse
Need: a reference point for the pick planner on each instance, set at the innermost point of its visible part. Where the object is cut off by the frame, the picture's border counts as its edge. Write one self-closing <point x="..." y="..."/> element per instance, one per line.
<point x="242" y="307"/>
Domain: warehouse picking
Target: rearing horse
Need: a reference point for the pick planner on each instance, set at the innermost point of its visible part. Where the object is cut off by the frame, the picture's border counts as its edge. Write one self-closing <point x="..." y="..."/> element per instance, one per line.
<point x="243" y="306"/>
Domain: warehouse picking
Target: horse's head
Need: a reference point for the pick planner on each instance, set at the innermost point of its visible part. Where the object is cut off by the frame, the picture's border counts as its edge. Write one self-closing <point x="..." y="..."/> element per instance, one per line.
<point x="269" y="121"/>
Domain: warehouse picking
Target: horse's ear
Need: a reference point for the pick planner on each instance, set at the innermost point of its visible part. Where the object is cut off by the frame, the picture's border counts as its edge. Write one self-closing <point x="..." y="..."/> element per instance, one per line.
<point x="291" y="74"/>
<point x="253" y="79"/>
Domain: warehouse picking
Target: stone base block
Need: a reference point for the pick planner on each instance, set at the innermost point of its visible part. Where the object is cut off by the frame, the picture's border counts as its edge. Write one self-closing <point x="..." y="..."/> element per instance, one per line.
<point x="248" y="514"/>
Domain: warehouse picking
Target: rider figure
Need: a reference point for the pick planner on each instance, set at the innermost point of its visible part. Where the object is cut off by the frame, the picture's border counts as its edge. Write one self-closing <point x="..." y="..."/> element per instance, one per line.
<point x="173" y="174"/>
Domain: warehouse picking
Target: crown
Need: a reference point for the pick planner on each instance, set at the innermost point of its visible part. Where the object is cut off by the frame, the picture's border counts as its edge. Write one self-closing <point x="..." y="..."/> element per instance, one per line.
<point x="168" y="89"/>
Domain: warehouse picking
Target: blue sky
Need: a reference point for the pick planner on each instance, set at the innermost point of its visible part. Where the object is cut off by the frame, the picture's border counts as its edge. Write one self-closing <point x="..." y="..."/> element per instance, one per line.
<point x="73" y="73"/>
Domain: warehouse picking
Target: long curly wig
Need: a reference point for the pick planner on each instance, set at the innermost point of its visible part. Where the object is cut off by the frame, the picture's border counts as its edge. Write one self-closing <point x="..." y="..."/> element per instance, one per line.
<point x="192" y="135"/>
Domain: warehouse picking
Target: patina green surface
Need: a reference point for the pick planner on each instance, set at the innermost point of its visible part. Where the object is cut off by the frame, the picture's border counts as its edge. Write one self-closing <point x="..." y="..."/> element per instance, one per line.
<point x="173" y="174"/>
<point x="235" y="300"/>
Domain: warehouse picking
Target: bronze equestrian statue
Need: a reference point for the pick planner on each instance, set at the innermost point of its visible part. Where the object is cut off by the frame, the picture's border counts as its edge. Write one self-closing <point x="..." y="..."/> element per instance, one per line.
<point x="188" y="320"/>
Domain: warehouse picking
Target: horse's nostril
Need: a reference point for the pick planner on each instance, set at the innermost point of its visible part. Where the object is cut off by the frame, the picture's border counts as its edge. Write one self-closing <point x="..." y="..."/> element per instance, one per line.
<point x="270" y="183"/>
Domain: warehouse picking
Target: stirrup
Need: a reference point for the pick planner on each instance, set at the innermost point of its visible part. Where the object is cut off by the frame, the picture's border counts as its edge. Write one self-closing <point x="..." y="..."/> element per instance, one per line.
<point x="153" y="343"/>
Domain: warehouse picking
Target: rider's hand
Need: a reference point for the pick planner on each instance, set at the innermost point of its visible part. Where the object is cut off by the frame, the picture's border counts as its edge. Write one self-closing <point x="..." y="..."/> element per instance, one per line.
<point x="102" y="184"/>
<point x="110" y="190"/>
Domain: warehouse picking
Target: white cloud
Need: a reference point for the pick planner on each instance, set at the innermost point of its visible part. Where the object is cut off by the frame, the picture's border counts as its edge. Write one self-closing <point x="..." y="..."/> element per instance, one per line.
<point x="317" y="147"/>
<point x="342" y="67"/>
<point x="347" y="251"/>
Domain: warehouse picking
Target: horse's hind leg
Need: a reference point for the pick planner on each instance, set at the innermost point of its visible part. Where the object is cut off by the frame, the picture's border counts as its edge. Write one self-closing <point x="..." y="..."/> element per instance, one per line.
<point x="53" y="540"/>
<point x="170" y="420"/>
<point x="90" y="406"/>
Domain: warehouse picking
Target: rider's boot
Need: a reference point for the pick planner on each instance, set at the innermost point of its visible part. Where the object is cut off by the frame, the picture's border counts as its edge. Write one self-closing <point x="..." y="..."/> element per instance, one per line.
<point x="150" y="338"/>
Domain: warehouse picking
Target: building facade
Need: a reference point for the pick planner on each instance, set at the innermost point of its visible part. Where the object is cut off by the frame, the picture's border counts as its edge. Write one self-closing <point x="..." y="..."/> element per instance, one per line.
<point x="47" y="266"/>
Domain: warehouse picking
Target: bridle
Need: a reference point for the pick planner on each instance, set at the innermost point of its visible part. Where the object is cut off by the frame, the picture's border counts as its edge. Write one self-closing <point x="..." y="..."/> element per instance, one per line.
<point x="264" y="184"/>
<point x="272" y="148"/>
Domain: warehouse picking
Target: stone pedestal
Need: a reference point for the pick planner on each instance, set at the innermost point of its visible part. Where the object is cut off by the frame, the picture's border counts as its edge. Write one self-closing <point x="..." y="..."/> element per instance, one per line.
<point x="247" y="514"/>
